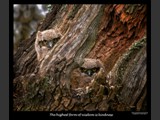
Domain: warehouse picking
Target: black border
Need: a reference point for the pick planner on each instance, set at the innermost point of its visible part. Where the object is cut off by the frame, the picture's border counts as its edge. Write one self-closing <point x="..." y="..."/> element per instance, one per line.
<point x="80" y="1"/>
<point x="116" y="115"/>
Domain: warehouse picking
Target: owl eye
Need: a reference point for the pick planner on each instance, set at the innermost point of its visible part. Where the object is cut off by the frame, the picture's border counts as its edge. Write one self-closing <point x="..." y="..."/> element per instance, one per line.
<point x="83" y="69"/>
<point x="89" y="72"/>
<point x="40" y="43"/>
<point x="55" y="39"/>
<point x="95" y="69"/>
<point x="50" y="44"/>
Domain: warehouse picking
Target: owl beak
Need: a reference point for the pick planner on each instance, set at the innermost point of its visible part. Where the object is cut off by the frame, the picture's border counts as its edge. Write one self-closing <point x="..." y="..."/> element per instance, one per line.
<point x="89" y="72"/>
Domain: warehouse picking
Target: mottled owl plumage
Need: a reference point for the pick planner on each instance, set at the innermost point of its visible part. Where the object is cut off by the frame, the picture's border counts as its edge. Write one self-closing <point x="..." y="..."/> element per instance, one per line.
<point x="82" y="77"/>
<point x="45" y="40"/>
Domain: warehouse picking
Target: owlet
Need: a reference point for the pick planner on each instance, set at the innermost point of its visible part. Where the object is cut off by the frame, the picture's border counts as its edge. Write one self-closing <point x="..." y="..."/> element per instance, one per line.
<point x="45" y="40"/>
<point x="90" y="69"/>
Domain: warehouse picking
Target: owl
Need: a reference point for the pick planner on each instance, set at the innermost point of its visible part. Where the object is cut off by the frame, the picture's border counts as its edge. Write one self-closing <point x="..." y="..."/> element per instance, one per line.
<point x="45" y="40"/>
<point x="90" y="70"/>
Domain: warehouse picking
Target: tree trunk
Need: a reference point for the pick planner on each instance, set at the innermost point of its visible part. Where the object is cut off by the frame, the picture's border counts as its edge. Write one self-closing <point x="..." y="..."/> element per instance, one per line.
<point x="114" y="34"/>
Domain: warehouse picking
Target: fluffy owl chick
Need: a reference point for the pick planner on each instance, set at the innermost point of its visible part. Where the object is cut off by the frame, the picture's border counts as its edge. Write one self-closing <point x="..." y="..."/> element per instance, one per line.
<point x="45" y="40"/>
<point x="81" y="77"/>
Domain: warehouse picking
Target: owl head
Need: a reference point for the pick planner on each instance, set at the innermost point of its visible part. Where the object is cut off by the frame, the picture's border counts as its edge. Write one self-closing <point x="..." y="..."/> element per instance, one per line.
<point x="90" y="66"/>
<point x="86" y="72"/>
<point x="47" y="38"/>
<point x="45" y="41"/>
<point x="89" y="70"/>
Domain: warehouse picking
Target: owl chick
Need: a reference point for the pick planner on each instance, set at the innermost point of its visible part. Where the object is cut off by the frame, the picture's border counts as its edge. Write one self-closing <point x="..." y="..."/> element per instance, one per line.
<point x="45" y="40"/>
<point x="89" y="70"/>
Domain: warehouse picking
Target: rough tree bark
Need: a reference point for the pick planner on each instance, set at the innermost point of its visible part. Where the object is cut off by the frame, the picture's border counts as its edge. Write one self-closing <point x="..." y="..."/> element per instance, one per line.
<point x="113" y="33"/>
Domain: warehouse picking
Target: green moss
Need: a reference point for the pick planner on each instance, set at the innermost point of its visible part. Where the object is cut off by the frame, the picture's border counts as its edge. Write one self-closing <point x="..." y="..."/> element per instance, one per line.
<point x="26" y="108"/>
<point x="135" y="47"/>
<point x="75" y="9"/>
<point x="49" y="7"/>
<point x="36" y="90"/>
<point x="131" y="8"/>
<point x="63" y="8"/>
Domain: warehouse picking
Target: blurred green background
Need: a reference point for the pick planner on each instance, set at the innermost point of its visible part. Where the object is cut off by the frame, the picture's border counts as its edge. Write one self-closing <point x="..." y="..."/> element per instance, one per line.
<point x="26" y="18"/>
